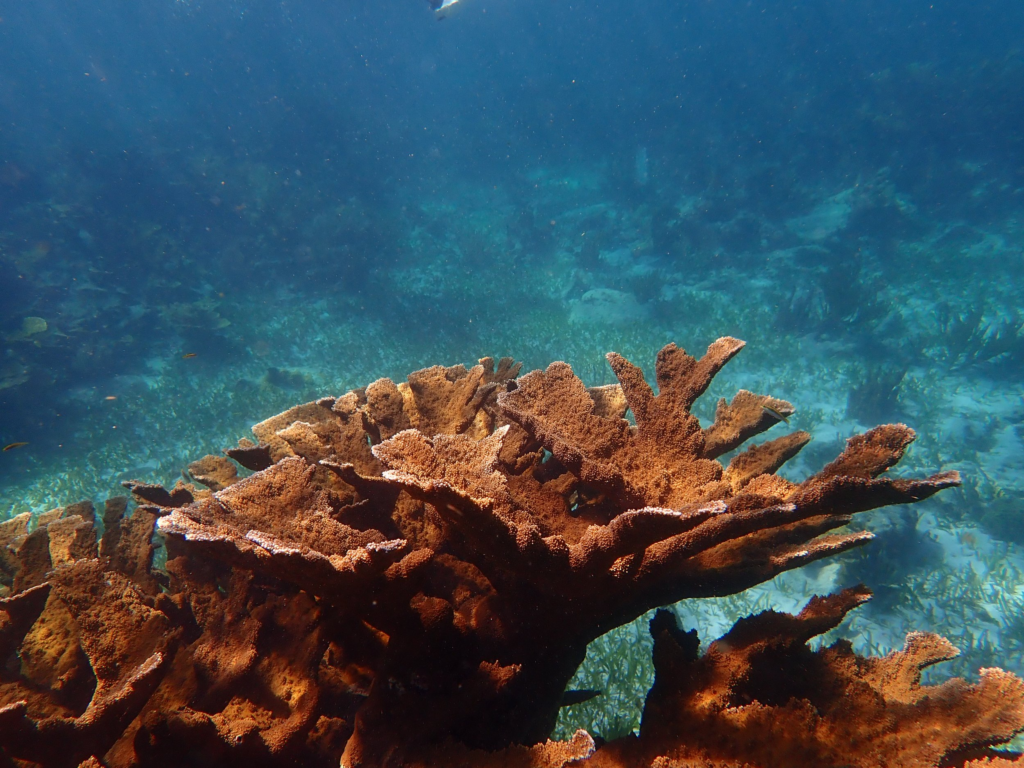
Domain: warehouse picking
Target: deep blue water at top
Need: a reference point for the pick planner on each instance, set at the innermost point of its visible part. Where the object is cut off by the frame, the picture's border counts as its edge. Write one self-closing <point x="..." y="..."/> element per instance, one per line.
<point x="287" y="79"/>
<point x="124" y="96"/>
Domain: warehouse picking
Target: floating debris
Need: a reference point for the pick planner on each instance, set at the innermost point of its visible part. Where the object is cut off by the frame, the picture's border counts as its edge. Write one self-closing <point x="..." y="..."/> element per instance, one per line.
<point x="442" y="8"/>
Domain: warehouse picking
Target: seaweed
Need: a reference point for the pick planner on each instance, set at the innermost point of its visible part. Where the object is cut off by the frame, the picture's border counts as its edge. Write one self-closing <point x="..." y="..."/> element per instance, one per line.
<point x="968" y="339"/>
<point x="876" y="396"/>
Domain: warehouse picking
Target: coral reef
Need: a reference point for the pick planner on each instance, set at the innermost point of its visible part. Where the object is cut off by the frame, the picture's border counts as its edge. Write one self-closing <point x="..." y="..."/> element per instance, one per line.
<point x="412" y="573"/>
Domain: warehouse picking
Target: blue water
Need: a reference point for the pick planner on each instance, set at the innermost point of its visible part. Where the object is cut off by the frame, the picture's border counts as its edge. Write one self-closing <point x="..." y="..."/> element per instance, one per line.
<point x="212" y="210"/>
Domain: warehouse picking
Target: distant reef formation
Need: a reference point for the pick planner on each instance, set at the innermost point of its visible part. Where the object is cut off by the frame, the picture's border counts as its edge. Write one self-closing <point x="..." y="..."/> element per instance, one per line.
<point x="411" y="574"/>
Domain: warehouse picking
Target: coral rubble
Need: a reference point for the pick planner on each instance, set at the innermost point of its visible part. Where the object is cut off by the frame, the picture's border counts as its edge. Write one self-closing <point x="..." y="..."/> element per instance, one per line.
<point x="412" y="573"/>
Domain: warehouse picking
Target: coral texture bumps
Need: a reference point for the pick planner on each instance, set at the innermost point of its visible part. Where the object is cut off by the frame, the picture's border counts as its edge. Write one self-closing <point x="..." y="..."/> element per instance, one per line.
<point x="411" y="574"/>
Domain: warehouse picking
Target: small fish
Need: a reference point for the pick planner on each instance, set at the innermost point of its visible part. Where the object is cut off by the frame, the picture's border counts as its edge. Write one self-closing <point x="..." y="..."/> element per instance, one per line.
<point x="188" y="355"/>
<point x="12" y="446"/>
<point x="777" y="414"/>
<point x="110" y="397"/>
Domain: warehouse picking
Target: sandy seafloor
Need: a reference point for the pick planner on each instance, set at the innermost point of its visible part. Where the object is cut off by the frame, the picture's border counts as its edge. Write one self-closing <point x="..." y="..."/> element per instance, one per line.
<point x="935" y="568"/>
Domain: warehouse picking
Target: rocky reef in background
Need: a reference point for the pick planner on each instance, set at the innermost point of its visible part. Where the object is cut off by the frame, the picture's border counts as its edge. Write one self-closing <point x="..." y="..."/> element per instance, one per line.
<point x="412" y="572"/>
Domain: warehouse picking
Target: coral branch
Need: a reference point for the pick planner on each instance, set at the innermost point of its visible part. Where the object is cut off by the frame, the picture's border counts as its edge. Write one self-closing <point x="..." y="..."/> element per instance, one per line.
<point x="760" y="696"/>
<point x="127" y="645"/>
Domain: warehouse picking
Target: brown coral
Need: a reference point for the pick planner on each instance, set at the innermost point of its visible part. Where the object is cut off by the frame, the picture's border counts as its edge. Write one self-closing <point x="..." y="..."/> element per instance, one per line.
<point x="760" y="696"/>
<point x="413" y="573"/>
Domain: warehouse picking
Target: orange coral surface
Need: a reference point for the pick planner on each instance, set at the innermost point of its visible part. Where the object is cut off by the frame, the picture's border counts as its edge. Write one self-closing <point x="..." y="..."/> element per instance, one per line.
<point x="411" y="574"/>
